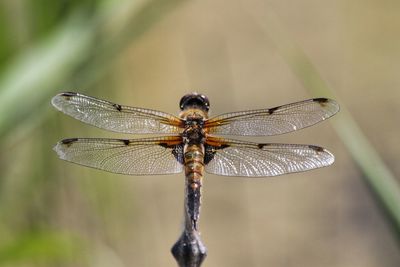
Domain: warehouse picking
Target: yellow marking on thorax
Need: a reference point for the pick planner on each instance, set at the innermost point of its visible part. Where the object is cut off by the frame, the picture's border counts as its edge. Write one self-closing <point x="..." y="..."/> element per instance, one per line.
<point x="193" y="112"/>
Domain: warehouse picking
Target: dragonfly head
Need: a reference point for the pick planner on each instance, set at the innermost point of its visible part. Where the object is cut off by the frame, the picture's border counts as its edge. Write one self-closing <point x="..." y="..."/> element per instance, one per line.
<point x="194" y="100"/>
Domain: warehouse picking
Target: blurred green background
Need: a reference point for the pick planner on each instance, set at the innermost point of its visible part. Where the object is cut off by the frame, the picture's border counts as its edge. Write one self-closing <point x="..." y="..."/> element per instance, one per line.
<point x="242" y="55"/>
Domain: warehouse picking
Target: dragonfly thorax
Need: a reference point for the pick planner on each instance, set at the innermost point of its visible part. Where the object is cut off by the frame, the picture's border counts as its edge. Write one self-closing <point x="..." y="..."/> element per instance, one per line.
<point x="194" y="132"/>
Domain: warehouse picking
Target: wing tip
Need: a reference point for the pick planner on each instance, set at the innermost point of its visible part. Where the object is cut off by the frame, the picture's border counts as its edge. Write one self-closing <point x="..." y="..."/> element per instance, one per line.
<point x="324" y="102"/>
<point x="328" y="157"/>
<point x="55" y="102"/>
<point x="61" y="97"/>
<point x="59" y="148"/>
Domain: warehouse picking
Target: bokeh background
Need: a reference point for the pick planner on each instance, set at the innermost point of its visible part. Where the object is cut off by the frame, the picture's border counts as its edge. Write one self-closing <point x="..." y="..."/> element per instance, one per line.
<point x="243" y="55"/>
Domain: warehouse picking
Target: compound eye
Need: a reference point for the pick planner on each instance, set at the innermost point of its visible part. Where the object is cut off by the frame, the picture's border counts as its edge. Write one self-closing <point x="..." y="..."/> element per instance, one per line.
<point x="206" y="102"/>
<point x="194" y="100"/>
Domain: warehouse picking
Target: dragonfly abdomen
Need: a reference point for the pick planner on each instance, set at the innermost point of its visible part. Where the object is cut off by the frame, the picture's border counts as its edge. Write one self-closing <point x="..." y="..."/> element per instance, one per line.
<point x="194" y="170"/>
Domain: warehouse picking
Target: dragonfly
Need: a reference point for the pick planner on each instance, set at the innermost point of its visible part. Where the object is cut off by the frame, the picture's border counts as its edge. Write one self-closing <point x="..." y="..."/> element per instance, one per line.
<point x="192" y="143"/>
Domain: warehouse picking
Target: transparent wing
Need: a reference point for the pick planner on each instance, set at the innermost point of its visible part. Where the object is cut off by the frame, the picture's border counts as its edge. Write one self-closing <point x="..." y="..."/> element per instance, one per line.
<point x="114" y="117"/>
<point x="136" y="157"/>
<point x="236" y="158"/>
<point x="273" y="121"/>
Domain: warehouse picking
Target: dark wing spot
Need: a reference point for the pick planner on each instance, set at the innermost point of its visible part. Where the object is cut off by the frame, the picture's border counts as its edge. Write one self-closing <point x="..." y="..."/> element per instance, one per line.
<point x="262" y="146"/>
<point x="177" y="151"/>
<point x="69" y="141"/>
<point x="164" y="145"/>
<point x="211" y="150"/>
<point x="126" y="142"/>
<point x="117" y="107"/>
<point x="321" y="101"/>
<point x="272" y="110"/>
<point x="223" y="146"/>
<point x="68" y="95"/>
<point x="318" y="149"/>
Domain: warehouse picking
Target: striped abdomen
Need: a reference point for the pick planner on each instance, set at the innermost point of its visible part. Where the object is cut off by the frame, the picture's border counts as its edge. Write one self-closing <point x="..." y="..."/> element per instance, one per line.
<point x="194" y="169"/>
